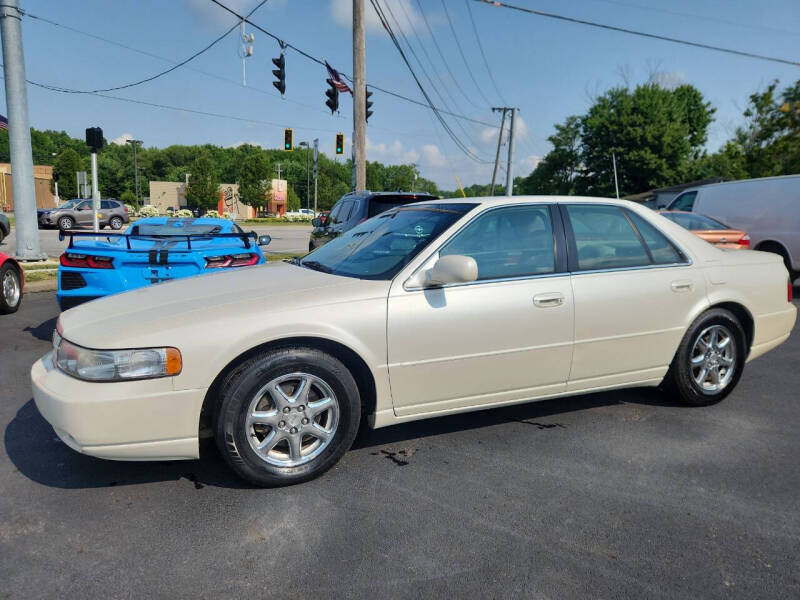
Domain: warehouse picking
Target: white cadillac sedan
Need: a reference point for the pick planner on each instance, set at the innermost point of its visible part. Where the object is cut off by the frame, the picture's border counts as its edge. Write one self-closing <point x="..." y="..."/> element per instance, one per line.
<point x="425" y="310"/>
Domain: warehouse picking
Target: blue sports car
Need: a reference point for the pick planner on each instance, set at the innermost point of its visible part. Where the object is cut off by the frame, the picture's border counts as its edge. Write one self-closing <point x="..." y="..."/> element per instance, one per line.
<point x="152" y="250"/>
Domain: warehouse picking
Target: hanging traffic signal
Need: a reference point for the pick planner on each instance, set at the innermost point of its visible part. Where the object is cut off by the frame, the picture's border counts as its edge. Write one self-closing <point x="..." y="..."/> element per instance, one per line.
<point x="333" y="96"/>
<point x="339" y="143"/>
<point x="288" y="140"/>
<point x="280" y="73"/>
<point x="368" y="112"/>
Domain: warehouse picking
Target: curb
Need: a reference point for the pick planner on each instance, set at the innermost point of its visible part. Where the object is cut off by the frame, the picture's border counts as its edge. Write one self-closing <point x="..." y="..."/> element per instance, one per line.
<point x="48" y="285"/>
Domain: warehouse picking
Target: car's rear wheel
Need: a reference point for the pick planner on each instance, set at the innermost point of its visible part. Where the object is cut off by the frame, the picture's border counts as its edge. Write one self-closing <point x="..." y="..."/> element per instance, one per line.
<point x="10" y="289"/>
<point x="286" y="415"/>
<point x="710" y="359"/>
<point x="116" y="223"/>
<point x="65" y="223"/>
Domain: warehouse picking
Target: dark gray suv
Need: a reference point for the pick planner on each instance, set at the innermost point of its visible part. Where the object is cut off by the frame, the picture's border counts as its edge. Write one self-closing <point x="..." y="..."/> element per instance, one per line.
<point x="355" y="207"/>
<point x="113" y="213"/>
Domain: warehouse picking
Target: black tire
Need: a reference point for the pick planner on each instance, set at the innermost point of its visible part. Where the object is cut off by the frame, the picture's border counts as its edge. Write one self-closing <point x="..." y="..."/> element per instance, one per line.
<point x="2" y="235"/>
<point x="116" y="223"/>
<point x="7" y="305"/>
<point x="241" y="386"/>
<point x="679" y="380"/>
<point x="65" y="223"/>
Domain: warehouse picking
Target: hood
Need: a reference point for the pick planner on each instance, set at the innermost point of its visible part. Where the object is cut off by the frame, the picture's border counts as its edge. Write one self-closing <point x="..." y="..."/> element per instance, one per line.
<point x="130" y="318"/>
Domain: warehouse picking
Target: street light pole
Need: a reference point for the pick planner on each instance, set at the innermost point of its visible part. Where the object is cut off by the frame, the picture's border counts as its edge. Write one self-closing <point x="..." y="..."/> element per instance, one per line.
<point x="135" y="143"/>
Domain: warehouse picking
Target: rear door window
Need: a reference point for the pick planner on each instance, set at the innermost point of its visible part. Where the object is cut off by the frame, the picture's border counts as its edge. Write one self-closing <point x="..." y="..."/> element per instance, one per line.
<point x="661" y="249"/>
<point x="341" y="212"/>
<point x="379" y="204"/>
<point x="605" y="238"/>
<point x="106" y="205"/>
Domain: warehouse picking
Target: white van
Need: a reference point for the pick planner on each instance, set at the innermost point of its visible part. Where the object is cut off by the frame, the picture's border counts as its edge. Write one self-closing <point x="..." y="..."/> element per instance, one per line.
<point x="768" y="209"/>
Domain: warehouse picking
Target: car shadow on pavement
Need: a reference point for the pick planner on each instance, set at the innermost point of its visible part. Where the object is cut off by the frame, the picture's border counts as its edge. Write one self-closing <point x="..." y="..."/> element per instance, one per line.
<point x="36" y="451"/>
<point x="43" y="331"/>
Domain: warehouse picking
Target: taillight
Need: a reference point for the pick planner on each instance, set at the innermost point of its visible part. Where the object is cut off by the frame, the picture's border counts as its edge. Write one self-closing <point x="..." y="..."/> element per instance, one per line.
<point x="126" y="208"/>
<point x="744" y="241"/>
<point x="235" y="260"/>
<point x="85" y="261"/>
<point x="789" y="294"/>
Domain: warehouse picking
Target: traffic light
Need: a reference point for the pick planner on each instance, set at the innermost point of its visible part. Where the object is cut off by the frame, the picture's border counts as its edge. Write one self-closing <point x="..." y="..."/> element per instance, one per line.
<point x="339" y="143"/>
<point x="333" y="96"/>
<point x="280" y="73"/>
<point x="368" y="112"/>
<point x="288" y="140"/>
<point x="94" y="138"/>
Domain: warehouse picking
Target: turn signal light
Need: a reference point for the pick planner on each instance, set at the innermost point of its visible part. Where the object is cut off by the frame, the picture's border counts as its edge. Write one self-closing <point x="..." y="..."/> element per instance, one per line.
<point x="85" y="261"/>
<point x="235" y="260"/>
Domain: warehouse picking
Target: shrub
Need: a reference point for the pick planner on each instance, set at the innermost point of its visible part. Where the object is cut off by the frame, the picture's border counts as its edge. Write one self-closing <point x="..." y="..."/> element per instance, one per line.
<point x="212" y="214"/>
<point x="148" y="210"/>
<point x="132" y="210"/>
<point x="183" y="213"/>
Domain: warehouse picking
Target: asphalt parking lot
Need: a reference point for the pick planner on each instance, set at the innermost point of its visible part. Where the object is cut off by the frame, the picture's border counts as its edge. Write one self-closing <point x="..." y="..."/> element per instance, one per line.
<point x="285" y="238"/>
<point x="622" y="494"/>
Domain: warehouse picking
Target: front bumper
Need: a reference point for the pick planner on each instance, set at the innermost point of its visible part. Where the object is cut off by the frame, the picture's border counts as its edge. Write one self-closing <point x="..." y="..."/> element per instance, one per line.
<point x="129" y="420"/>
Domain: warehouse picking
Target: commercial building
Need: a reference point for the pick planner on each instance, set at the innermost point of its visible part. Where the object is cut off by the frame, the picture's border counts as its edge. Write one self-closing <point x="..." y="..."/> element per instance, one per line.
<point x="171" y="195"/>
<point x="42" y="178"/>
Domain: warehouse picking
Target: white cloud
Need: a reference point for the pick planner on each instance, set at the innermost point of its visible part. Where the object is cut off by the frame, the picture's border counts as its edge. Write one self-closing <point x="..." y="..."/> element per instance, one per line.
<point x="432" y="156"/>
<point x="394" y="153"/>
<point x="488" y="135"/>
<point x="123" y="139"/>
<point x="403" y="11"/>
<point x="528" y="164"/>
<point x="211" y="15"/>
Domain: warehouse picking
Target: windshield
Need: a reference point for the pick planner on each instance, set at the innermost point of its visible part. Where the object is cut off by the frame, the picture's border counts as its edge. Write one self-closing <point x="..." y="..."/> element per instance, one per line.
<point x="68" y="204"/>
<point x="178" y="230"/>
<point x="381" y="246"/>
<point x="695" y="222"/>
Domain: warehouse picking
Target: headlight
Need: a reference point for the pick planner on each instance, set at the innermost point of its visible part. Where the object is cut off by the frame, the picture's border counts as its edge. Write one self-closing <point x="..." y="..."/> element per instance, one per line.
<point x="115" y="365"/>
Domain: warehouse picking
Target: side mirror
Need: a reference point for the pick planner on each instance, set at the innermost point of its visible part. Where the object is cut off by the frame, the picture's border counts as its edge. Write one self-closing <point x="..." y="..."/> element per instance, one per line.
<point x="316" y="222"/>
<point x="264" y="240"/>
<point x="454" y="268"/>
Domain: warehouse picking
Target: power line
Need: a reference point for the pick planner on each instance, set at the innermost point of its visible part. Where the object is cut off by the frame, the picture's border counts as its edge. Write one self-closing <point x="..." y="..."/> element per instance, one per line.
<point x="286" y="44"/>
<point x="654" y="36"/>
<point x="463" y="57"/>
<point x="453" y="136"/>
<point x="483" y="54"/>
<point x="188" y="67"/>
<point x="162" y="73"/>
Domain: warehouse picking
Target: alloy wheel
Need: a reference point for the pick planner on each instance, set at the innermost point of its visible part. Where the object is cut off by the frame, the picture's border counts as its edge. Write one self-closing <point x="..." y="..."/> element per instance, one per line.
<point x="11" y="288"/>
<point x="712" y="361"/>
<point x="292" y="419"/>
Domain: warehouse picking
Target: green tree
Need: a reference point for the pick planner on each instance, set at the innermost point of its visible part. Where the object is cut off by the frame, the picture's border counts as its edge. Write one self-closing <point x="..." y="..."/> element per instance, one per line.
<point x="66" y="165"/>
<point x="557" y="172"/>
<point x="203" y="189"/>
<point x="253" y="180"/>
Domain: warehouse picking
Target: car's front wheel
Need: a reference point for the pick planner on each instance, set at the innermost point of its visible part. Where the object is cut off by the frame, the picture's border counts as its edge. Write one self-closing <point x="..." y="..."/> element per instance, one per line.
<point x="286" y="415"/>
<point x="65" y="223"/>
<point x="10" y="289"/>
<point x="710" y="359"/>
<point x="116" y="223"/>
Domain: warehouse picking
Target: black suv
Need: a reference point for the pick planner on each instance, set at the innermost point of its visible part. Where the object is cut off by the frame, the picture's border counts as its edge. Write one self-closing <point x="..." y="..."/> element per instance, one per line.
<point x="353" y="208"/>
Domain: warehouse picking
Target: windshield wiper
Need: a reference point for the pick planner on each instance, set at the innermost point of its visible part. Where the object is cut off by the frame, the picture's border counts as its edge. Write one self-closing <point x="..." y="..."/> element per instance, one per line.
<point x="316" y="266"/>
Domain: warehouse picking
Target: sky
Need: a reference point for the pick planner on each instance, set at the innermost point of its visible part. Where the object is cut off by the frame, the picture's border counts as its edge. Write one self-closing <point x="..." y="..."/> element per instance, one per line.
<point x="549" y="69"/>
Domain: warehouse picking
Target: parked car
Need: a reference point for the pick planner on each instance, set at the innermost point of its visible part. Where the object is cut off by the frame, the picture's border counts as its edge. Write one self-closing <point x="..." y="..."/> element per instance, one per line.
<point x="768" y="209"/>
<point x="300" y="212"/>
<point x="711" y="230"/>
<point x="352" y="209"/>
<point x="12" y="282"/>
<point x="5" y="227"/>
<point x="463" y="304"/>
<point x="152" y="250"/>
<point x="79" y="212"/>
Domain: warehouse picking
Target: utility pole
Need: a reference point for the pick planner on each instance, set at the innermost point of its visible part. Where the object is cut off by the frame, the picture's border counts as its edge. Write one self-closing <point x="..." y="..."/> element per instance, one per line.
<point x="19" y="133"/>
<point x="279" y="170"/>
<point x="359" y="96"/>
<point x="510" y="170"/>
<point x="316" y="156"/>
<point x="616" y="184"/>
<point x="135" y="143"/>
<point x="95" y="191"/>
<point x="308" y="181"/>
<point x="502" y="109"/>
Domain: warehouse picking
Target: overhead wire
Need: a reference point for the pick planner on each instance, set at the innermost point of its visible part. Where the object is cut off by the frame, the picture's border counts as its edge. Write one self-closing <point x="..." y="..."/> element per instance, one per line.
<point x="654" y="36"/>
<point x="463" y="56"/>
<point x="483" y="54"/>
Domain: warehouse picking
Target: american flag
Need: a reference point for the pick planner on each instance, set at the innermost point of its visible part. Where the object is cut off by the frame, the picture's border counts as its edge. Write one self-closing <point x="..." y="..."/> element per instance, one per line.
<point x="3" y="123"/>
<point x="337" y="79"/>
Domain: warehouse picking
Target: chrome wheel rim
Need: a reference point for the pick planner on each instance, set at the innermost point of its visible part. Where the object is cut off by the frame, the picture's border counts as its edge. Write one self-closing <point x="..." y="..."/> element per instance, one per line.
<point x="116" y="223"/>
<point x="11" y="291"/>
<point x="66" y="223"/>
<point x="713" y="359"/>
<point x="292" y="419"/>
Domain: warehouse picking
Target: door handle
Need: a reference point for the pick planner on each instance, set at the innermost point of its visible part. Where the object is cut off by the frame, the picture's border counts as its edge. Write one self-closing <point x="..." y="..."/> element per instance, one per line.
<point x="682" y="286"/>
<point x="548" y="300"/>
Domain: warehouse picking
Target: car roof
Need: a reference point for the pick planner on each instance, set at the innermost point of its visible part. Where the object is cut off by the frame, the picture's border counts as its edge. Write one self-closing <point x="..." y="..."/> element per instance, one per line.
<point x="370" y="194"/>
<point x="510" y="200"/>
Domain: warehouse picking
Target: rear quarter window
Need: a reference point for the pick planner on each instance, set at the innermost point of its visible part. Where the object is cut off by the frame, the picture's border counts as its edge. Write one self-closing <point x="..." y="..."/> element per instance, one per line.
<point x="379" y="204"/>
